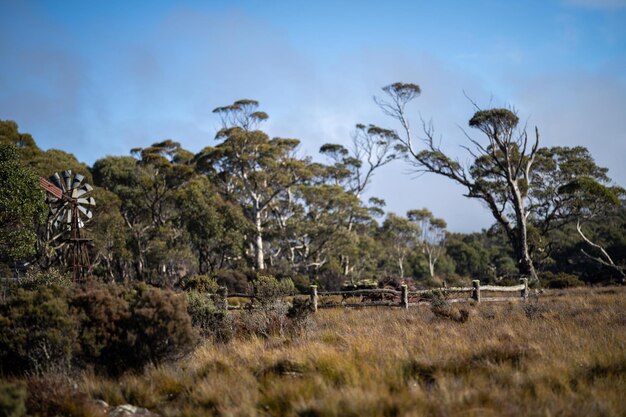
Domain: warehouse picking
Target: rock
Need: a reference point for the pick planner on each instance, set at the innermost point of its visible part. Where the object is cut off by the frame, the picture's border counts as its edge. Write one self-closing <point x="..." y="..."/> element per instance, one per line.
<point x="101" y="403"/>
<point x="128" y="410"/>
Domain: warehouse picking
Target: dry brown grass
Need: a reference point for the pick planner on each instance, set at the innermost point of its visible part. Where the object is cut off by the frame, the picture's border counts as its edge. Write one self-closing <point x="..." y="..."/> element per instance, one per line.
<point x="564" y="356"/>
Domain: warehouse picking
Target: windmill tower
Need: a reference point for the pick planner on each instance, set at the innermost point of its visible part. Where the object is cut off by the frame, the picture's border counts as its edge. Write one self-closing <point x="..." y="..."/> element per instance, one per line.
<point x="69" y="201"/>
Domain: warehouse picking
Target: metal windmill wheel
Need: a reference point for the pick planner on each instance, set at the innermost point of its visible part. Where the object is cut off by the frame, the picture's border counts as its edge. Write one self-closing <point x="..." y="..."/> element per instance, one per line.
<point x="70" y="209"/>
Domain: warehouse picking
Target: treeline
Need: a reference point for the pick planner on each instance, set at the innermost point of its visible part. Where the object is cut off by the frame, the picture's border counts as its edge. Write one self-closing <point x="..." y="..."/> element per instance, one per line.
<point x="250" y="203"/>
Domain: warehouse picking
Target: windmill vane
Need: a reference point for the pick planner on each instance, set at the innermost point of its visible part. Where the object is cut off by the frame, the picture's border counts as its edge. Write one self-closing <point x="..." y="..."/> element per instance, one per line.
<point x="70" y="209"/>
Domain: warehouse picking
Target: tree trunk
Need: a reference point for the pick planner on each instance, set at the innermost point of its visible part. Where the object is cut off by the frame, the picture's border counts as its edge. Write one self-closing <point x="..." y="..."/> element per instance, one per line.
<point x="258" y="242"/>
<point x="431" y="265"/>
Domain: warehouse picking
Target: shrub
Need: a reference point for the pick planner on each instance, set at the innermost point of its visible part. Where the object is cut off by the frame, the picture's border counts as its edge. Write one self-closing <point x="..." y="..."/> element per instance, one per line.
<point x="37" y="331"/>
<point x="129" y="327"/>
<point x="36" y="278"/>
<point x="299" y="314"/>
<point x="234" y="281"/>
<point x="441" y="308"/>
<point x="561" y="280"/>
<point x="268" y="290"/>
<point x="211" y="320"/>
<point x="302" y="283"/>
<point x="12" y="399"/>
<point x="52" y="396"/>
<point x="199" y="283"/>
<point x="105" y="315"/>
<point x="269" y="317"/>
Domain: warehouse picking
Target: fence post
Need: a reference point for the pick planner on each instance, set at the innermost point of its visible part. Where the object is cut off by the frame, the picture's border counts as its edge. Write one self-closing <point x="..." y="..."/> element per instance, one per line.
<point x="476" y="293"/>
<point x="524" y="282"/>
<point x="404" y="296"/>
<point x="222" y="294"/>
<point x="314" y="297"/>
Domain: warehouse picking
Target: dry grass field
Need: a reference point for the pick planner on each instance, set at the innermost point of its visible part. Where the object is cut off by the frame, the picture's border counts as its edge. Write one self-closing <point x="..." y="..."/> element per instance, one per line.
<point x="563" y="355"/>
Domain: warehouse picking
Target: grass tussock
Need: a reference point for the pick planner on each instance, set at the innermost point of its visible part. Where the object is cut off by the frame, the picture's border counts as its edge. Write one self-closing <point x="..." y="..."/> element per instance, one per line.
<point x="563" y="354"/>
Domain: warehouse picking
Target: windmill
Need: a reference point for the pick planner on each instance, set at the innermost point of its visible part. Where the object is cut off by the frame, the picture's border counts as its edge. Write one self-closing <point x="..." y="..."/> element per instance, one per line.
<point x="69" y="201"/>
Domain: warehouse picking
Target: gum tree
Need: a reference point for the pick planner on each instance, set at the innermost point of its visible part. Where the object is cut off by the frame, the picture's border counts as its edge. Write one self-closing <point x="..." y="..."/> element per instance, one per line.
<point x="516" y="179"/>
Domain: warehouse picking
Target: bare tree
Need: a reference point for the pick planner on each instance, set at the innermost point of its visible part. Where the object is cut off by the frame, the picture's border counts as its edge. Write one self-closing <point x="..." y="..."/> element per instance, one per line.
<point x="499" y="175"/>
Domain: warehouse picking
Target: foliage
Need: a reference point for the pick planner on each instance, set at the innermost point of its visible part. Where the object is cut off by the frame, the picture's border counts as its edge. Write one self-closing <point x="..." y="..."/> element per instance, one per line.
<point x="37" y="331"/>
<point x="52" y="277"/>
<point x="233" y="280"/>
<point x="211" y="320"/>
<point x="53" y="395"/>
<point x="199" y="283"/>
<point x="22" y="206"/>
<point x="12" y="399"/>
<point x="128" y="327"/>
<point x="251" y="203"/>
<point x="268" y="290"/>
<point x="561" y="280"/>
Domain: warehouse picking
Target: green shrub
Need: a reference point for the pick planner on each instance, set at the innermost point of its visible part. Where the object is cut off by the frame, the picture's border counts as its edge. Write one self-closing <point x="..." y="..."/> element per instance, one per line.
<point x="561" y="280"/>
<point x="268" y="290"/>
<point x="199" y="283"/>
<point x="12" y="399"/>
<point x="211" y="320"/>
<point x="37" y="331"/>
<point x="269" y="315"/>
<point x="36" y="278"/>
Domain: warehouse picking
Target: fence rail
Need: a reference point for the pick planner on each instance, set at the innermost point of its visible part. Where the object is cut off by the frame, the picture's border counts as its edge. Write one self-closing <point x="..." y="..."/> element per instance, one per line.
<point x="384" y="297"/>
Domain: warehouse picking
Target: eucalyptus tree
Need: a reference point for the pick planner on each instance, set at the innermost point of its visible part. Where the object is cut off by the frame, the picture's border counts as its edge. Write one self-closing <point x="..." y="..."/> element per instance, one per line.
<point x="401" y="237"/>
<point x="215" y="227"/>
<point x="432" y="235"/>
<point x="353" y="168"/>
<point x="250" y="168"/>
<point x="146" y="185"/>
<point x="507" y="170"/>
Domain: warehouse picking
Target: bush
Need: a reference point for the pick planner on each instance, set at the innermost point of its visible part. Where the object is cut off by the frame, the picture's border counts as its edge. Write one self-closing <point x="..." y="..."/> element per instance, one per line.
<point x="129" y="327"/>
<point x="52" y="396"/>
<point x="12" y="399"/>
<point x="269" y="317"/>
<point x="234" y="281"/>
<point x="211" y="320"/>
<point x="299" y="314"/>
<point x="302" y="283"/>
<point x="561" y="280"/>
<point x="442" y="309"/>
<point x="37" y="331"/>
<point x="199" y="283"/>
<point x="268" y="290"/>
<point x="36" y="278"/>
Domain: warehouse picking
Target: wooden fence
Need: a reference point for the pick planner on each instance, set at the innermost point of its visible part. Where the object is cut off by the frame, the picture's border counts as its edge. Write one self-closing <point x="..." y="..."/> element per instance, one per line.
<point x="403" y="298"/>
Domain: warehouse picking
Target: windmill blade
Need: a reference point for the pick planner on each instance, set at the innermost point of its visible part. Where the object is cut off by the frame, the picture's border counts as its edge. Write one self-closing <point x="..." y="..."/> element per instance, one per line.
<point x="58" y="213"/>
<point x="68" y="217"/>
<point x="87" y="201"/>
<point x="78" y="179"/>
<point x="67" y="177"/>
<point x="56" y="179"/>
<point x="81" y="224"/>
<point x="74" y="192"/>
<point x="86" y="188"/>
<point x="85" y="211"/>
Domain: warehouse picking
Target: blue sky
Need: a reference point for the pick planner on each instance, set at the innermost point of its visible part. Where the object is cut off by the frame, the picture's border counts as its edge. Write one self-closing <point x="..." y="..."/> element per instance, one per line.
<point x="98" y="78"/>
